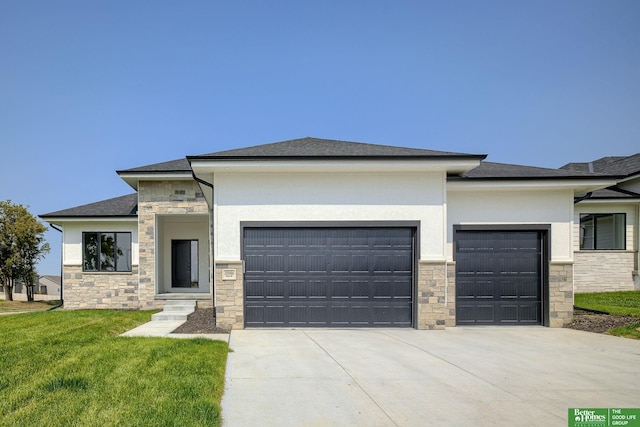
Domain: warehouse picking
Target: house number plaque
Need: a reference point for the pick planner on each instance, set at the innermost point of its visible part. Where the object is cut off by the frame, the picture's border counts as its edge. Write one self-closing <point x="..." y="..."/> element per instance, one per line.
<point x="229" y="274"/>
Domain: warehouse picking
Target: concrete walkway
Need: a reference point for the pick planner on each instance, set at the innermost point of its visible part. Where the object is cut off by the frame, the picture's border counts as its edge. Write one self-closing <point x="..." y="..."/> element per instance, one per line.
<point x="165" y="328"/>
<point x="482" y="376"/>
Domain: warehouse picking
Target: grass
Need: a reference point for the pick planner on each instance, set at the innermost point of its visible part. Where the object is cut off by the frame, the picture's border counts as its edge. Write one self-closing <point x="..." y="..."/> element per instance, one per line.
<point x="17" y="306"/>
<point x="625" y="303"/>
<point x="71" y="368"/>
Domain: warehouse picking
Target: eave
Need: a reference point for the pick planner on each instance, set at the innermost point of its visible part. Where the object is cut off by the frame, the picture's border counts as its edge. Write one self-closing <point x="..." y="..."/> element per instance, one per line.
<point x="453" y="165"/>
<point x="61" y="220"/>
<point x="133" y="178"/>
<point x="578" y="185"/>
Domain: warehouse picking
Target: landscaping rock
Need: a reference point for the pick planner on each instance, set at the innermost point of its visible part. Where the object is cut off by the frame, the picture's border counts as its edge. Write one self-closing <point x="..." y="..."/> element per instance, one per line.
<point x="200" y="321"/>
<point x="598" y="323"/>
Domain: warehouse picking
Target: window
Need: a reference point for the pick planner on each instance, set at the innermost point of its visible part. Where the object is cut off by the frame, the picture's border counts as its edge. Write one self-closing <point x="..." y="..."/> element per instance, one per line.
<point x="602" y="231"/>
<point x="106" y="251"/>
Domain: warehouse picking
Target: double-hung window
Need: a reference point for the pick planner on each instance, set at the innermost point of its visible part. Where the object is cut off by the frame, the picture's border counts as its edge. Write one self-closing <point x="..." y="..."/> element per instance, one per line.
<point x="106" y="251"/>
<point x="602" y="231"/>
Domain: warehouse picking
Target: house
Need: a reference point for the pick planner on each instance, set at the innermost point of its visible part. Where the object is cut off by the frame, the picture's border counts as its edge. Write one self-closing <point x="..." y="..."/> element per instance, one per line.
<point x="606" y="227"/>
<point x="316" y="232"/>
<point x="47" y="288"/>
<point x="49" y="285"/>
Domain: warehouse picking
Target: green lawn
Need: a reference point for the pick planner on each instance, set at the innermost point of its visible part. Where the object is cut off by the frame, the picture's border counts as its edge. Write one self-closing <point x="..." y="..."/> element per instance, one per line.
<point x="625" y="303"/>
<point x="17" y="306"/>
<point x="71" y="368"/>
<point x="616" y="303"/>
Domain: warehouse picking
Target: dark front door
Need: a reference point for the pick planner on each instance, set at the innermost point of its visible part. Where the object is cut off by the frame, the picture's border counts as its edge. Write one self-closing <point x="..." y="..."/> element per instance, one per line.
<point x="498" y="277"/>
<point x="184" y="263"/>
<point x="328" y="276"/>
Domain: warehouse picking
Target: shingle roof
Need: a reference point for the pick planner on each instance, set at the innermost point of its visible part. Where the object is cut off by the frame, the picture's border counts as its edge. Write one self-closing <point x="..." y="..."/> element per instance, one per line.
<point x="123" y="206"/>
<point x="327" y="148"/>
<point x="176" y="166"/>
<point x="614" y="193"/>
<point x="55" y="279"/>
<point x="490" y="170"/>
<point x="620" y="166"/>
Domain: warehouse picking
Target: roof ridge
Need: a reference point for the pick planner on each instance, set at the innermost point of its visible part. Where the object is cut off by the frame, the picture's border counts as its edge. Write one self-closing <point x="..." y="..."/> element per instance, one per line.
<point x="311" y="147"/>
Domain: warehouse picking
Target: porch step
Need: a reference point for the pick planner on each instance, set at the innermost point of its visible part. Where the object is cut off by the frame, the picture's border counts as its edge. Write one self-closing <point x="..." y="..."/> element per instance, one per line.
<point x="175" y="310"/>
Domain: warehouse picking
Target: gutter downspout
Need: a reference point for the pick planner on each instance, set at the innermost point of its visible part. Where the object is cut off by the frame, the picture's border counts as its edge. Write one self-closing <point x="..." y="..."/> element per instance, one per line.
<point x="212" y="237"/>
<point x="61" y="303"/>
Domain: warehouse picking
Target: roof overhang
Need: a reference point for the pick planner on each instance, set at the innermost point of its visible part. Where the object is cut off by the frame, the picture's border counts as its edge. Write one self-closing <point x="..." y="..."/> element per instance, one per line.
<point x="61" y="220"/>
<point x="133" y="178"/>
<point x="611" y="201"/>
<point x="202" y="166"/>
<point x="578" y="186"/>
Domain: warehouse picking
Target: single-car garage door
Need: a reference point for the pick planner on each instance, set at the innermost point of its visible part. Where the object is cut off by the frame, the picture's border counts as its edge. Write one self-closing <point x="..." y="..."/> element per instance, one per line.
<point x="325" y="277"/>
<point x="499" y="277"/>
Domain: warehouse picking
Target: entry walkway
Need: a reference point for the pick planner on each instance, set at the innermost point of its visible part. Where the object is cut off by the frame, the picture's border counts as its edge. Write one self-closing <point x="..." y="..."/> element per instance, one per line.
<point x="165" y="328"/>
<point x="480" y="376"/>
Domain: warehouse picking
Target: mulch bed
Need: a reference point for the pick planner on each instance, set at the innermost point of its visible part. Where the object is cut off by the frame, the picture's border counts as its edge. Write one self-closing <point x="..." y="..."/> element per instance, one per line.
<point x="200" y="321"/>
<point x="598" y="323"/>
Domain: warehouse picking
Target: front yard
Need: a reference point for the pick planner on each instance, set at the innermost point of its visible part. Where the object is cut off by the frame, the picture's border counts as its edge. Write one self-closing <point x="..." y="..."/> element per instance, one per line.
<point x="71" y="368"/>
<point x="620" y="305"/>
<point x="20" y="306"/>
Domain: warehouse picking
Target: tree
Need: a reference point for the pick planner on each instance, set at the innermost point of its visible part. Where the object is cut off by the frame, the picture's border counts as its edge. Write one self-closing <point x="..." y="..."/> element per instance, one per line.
<point x="22" y="245"/>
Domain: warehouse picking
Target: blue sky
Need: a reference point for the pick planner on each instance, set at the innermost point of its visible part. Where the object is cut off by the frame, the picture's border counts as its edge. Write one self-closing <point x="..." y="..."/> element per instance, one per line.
<point x="89" y="87"/>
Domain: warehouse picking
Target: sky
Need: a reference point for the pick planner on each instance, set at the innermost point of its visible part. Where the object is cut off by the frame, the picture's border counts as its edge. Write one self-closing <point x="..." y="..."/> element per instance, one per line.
<point x="90" y="87"/>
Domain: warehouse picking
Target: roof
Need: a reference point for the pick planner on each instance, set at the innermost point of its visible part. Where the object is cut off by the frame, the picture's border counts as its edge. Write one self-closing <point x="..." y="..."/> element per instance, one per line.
<point x="175" y="166"/>
<point x="613" y="193"/>
<point x="619" y="166"/>
<point x="316" y="148"/>
<point x="55" y="279"/>
<point x="490" y="170"/>
<point x="123" y="206"/>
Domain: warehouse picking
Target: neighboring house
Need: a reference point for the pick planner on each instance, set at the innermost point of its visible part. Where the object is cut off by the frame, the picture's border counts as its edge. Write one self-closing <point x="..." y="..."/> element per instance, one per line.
<point x="47" y="288"/>
<point x="49" y="285"/>
<point x="606" y="227"/>
<point x="314" y="232"/>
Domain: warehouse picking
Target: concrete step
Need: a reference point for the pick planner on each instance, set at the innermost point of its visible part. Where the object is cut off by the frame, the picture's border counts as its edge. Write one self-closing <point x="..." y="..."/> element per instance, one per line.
<point x="175" y="310"/>
<point x="160" y="317"/>
<point x="181" y="302"/>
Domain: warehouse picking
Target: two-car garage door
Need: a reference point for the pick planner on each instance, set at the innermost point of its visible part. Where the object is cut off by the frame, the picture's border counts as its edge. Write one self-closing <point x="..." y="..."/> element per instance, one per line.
<point x="328" y="277"/>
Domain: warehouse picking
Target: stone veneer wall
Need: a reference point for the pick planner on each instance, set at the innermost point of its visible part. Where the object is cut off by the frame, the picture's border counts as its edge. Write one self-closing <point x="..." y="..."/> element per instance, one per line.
<point x="84" y="290"/>
<point x="560" y="294"/>
<point x="436" y="296"/>
<point x="604" y="271"/>
<point x="229" y="295"/>
<point x="161" y="198"/>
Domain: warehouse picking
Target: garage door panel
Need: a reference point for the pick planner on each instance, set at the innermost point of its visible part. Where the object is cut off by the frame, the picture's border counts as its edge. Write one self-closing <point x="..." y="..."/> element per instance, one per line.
<point x="530" y="313"/>
<point x="508" y="313"/>
<point x="334" y="276"/>
<point x="498" y="277"/>
<point x="472" y="289"/>
<point x="475" y="314"/>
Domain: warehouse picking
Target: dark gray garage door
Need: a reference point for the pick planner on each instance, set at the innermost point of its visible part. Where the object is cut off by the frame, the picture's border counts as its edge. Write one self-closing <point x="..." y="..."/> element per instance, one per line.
<point x="328" y="277"/>
<point x="498" y="277"/>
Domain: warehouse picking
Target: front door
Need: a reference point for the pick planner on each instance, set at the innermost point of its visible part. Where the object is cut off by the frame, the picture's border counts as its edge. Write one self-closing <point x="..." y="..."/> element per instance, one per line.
<point x="184" y="264"/>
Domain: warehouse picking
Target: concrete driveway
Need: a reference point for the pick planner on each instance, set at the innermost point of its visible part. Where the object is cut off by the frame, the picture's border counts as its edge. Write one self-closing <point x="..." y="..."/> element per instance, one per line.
<point x="463" y="376"/>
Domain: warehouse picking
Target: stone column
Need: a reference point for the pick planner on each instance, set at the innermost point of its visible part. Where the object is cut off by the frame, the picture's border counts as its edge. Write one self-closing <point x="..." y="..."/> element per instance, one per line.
<point x="560" y="293"/>
<point x="436" y="296"/>
<point x="229" y="294"/>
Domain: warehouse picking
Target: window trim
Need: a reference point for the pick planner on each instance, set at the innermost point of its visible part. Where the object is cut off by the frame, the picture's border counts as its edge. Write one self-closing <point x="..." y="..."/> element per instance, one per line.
<point x="99" y="239"/>
<point x="594" y="218"/>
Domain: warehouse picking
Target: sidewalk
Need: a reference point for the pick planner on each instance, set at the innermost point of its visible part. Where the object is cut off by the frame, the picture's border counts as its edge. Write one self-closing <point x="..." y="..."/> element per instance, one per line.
<point x="165" y="328"/>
